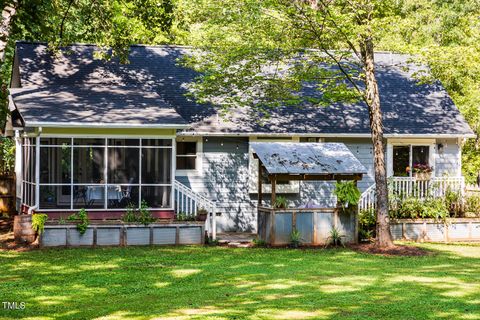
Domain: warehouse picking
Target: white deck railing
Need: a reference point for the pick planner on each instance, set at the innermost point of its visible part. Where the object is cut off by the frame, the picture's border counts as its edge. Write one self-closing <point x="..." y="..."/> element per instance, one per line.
<point x="404" y="187"/>
<point x="188" y="202"/>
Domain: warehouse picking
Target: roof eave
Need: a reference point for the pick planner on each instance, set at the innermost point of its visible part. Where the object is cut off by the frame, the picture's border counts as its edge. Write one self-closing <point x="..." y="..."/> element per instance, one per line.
<point x="104" y="125"/>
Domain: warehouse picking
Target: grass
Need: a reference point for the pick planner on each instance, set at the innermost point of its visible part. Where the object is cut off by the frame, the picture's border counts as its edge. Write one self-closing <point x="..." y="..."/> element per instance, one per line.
<point x="222" y="283"/>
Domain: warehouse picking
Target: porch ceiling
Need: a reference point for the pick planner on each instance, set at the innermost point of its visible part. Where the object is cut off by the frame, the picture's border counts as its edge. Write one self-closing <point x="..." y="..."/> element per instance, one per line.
<point x="314" y="159"/>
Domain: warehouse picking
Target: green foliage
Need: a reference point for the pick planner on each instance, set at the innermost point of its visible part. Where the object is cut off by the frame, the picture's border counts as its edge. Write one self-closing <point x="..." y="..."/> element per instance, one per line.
<point x="38" y="222"/>
<point x="183" y="216"/>
<point x="347" y="193"/>
<point x="135" y="215"/>
<point x="367" y="221"/>
<point x="335" y="238"/>
<point x="280" y="202"/>
<point x="81" y="217"/>
<point x="295" y="238"/>
<point x="472" y="205"/>
<point x="130" y="215"/>
<point x="414" y="208"/>
<point x="7" y="155"/>
<point x="259" y="243"/>
<point x="61" y="220"/>
<point x="453" y="201"/>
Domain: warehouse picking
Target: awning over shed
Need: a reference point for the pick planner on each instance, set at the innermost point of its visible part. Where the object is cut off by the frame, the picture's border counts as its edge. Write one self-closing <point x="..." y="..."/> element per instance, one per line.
<point x="308" y="161"/>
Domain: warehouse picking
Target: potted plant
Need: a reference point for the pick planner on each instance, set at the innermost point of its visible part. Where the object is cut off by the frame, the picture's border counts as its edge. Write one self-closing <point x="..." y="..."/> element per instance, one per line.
<point x="202" y="214"/>
<point x="280" y="203"/>
<point x="422" y="172"/>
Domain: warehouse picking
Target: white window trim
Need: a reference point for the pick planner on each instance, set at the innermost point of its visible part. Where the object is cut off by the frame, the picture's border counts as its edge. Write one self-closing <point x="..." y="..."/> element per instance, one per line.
<point x="291" y="187"/>
<point x="198" y="171"/>
<point x="432" y="152"/>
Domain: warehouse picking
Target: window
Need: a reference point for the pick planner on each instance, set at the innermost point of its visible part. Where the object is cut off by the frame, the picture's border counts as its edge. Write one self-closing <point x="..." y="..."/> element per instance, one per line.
<point x="406" y="157"/>
<point x="188" y="156"/>
<point x="99" y="173"/>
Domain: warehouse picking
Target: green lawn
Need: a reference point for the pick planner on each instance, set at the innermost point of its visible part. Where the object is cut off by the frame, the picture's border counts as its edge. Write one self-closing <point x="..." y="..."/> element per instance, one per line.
<point x="222" y="283"/>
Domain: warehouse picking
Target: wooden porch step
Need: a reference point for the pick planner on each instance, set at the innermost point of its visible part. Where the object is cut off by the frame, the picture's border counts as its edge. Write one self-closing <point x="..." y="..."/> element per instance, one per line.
<point x="236" y="239"/>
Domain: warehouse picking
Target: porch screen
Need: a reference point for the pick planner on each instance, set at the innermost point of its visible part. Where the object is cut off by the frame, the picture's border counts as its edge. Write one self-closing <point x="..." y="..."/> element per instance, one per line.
<point x="99" y="173"/>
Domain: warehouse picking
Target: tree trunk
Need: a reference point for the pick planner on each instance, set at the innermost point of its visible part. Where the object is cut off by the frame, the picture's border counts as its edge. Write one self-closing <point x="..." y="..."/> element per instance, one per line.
<point x="7" y="14"/>
<point x="384" y="237"/>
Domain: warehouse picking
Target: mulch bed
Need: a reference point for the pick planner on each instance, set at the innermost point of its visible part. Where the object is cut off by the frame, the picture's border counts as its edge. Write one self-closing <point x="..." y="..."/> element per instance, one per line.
<point x="396" y="250"/>
<point x="8" y="243"/>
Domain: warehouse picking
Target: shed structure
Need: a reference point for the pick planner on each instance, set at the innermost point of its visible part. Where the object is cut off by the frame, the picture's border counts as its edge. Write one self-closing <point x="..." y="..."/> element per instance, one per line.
<point x="283" y="162"/>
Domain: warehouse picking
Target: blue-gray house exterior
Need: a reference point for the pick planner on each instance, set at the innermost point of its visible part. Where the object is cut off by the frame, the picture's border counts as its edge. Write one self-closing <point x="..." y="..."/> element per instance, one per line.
<point x="225" y="171"/>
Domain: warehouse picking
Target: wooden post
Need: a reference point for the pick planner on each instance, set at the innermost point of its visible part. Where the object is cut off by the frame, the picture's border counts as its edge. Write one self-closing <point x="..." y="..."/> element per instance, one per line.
<point x="273" y="180"/>
<point x="355" y="218"/>
<point x="260" y="192"/>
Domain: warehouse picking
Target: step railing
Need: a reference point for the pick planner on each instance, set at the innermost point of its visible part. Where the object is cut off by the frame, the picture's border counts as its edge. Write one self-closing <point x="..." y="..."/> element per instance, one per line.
<point x="404" y="187"/>
<point x="188" y="202"/>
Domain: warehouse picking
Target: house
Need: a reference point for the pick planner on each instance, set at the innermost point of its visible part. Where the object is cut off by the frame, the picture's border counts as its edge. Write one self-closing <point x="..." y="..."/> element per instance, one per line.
<point x="102" y="135"/>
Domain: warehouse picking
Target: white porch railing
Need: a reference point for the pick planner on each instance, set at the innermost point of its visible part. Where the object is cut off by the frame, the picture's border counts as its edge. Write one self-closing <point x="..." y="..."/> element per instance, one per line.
<point x="189" y="202"/>
<point x="410" y="187"/>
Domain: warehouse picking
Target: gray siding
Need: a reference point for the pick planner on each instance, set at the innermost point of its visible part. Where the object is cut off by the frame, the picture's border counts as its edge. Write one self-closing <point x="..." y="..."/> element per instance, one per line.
<point x="448" y="162"/>
<point x="225" y="178"/>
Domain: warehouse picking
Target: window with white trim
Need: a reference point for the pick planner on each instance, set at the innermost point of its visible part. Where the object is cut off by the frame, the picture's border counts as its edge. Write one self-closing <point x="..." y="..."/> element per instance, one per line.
<point x="188" y="158"/>
<point x="408" y="158"/>
<point x="105" y="173"/>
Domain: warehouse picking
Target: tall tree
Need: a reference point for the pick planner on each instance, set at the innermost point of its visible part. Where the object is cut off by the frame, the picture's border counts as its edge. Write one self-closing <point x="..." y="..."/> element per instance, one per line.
<point x="261" y="54"/>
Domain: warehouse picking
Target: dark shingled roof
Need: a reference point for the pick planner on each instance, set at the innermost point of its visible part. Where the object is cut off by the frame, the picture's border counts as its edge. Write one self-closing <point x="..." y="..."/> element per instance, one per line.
<point x="408" y="108"/>
<point x="90" y="105"/>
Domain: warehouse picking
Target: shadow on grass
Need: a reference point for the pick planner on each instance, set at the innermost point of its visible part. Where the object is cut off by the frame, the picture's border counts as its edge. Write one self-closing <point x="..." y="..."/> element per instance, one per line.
<point x="206" y="282"/>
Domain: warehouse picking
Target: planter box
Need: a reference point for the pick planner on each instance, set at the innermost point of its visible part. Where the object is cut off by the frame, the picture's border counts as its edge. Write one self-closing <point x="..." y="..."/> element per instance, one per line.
<point x="429" y="230"/>
<point x="108" y="234"/>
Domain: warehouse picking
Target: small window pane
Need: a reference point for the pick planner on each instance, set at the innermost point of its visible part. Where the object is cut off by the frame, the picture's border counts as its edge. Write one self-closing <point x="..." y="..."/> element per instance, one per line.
<point x="186" y="163"/>
<point x="89" y="141"/>
<point x="157" y="142"/>
<point x="420" y="155"/>
<point x="55" y="164"/>
<point x="55" y="141"/>
<point x="186" y="148"/>
<point x="88" y="197"/>
<point x="156" y="197"/>
<point x="156" y="166"/>
<point x="123" y="142"/>
<point x="401" y="161"/>
<point x="55" y="197"/>
<point x="123" y="165"/>
<point x="122" y="196"/>
<point x="88" y="165"/>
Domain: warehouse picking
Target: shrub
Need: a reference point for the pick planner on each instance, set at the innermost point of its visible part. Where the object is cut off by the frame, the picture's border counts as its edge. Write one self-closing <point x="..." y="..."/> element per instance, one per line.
<point x="367" y="221"/>
<point x="347" y="193"/>
<point x="453" y="201"/>
<point x="295" y="238"/>
<point x="472" y="205"/>
<point x="142" y="215"/>
<point x="38" y="222"/>
<point x="335" y="238"/>
<point x="413" y="208"/>
<point x="7" y="155"/>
